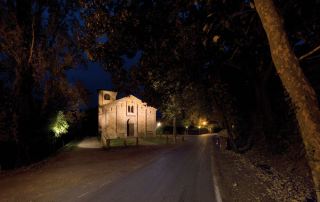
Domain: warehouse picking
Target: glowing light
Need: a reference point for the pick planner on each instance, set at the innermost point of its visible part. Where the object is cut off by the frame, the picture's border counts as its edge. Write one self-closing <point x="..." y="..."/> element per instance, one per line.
<point x="204" y="123"/>
<point x="199" y="127"/>
<point x="59" y="125"/>
<point x="158" y="124"/>
<point x="187" y="127"/>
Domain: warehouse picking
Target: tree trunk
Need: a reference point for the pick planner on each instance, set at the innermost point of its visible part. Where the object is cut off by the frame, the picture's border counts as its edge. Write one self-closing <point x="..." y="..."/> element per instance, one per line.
<point x="174" y="130"/>
<point x="222" y="101"/>
<point x="22" y="110"/>
<point x="265" y="119"/>
<point x="294" y="81"/>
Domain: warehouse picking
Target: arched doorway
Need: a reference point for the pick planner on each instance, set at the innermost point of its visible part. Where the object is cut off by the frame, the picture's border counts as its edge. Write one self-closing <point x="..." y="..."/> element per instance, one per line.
<point x="130" y="128"/>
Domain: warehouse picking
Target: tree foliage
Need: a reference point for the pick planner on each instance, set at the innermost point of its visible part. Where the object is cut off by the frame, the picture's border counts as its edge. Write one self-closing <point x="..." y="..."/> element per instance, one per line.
<point x="59" y="125"/>
<point x="197" y="60"/>
<point x="38" y="43"/>
<point x="201" y="58"/>
<point x="212" y="57"/>
<point x="300" y="91"/>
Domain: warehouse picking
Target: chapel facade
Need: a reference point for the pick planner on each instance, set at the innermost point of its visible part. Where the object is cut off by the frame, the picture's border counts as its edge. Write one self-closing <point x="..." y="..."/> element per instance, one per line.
<point x="125" y="117"/>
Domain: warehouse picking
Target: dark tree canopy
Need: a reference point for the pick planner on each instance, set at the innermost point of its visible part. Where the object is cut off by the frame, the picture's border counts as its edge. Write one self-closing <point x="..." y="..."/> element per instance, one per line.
<point x="197" y="60"/>
<point x="201" y="58"/>
<point x="38" y="43"/>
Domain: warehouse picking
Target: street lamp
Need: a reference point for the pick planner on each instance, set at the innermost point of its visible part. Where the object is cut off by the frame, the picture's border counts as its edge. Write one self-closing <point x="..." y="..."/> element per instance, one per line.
<point x="158" y="128"/>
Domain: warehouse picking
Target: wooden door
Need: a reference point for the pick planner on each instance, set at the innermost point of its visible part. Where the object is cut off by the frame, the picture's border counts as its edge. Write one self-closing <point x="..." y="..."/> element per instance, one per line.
<point x="130" y="129"/>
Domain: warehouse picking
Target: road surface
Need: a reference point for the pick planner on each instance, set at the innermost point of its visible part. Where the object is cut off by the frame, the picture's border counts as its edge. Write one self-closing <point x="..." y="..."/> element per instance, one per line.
<point x="181" y="174"/>
<point x="175" y="173"/>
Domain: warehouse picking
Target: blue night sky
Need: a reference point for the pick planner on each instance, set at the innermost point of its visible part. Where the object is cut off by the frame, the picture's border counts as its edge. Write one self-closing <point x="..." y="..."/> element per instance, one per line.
<point x="95" y="77"/>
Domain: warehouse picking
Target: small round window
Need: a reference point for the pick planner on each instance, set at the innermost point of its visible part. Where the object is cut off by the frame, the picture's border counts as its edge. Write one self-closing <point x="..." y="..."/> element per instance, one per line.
<point x="106" y="97"/>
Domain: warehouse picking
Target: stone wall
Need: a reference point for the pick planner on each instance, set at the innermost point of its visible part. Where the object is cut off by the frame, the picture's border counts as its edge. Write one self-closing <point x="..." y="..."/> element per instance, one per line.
<point x="151" y="121"/>
<point x="141" y="120"/>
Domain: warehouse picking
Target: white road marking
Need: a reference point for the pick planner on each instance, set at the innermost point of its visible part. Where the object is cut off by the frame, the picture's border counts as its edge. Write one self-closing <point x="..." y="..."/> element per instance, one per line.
<point x="214" y="178"/>
<point x="82" y="195"/>
<point x="216" y="190"/>
<point x="105" y="183"/>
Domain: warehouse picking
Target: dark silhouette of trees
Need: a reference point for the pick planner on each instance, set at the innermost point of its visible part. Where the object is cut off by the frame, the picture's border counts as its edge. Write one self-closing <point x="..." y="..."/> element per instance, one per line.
<point x="199" y="59"/>
<point x="38" y="43"/>
<point x="293" y="79"/>
<point x="163" y="39"/>
<point x="212" y="57"/>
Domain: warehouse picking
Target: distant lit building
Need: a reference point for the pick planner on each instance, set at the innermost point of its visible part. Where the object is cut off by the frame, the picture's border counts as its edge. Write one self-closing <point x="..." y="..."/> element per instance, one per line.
<point x="128" y="116"/>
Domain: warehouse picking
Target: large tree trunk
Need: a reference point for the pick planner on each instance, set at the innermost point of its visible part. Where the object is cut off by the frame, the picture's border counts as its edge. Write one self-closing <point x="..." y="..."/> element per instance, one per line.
<point x="174" y="132"/>
<point x="22" y="110"/>
<point x="294" y="81"/>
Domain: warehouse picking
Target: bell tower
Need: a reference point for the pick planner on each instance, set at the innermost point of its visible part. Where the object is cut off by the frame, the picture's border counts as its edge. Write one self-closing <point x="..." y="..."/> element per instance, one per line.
<point x="106" y="97"/>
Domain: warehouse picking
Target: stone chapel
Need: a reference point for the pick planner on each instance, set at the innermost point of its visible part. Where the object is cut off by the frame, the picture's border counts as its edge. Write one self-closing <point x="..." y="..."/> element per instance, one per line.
<point x="125" y="117"/>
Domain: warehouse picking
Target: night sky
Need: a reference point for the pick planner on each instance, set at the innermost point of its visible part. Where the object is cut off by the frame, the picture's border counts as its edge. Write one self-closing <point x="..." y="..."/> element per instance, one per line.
<point x="95" y="77"/>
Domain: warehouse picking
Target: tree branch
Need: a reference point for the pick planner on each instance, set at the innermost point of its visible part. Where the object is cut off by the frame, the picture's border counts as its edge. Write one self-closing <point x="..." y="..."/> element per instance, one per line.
<point x="32" y="42"/>
<point x="309" y="53"/>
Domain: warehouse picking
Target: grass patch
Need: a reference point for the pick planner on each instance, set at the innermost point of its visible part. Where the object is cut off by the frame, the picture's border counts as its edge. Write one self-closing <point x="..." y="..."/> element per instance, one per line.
<point x="116" y="142"/>
<point x="119" y="142"/>
<point x="154" y="140"/>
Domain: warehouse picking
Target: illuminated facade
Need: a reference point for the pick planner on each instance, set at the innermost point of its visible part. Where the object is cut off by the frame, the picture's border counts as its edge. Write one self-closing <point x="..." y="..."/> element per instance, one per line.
<point x="128" y="116"/>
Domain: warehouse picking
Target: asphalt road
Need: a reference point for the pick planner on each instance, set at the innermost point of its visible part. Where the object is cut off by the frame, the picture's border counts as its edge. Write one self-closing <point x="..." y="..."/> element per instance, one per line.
<point x="181" y="174"/>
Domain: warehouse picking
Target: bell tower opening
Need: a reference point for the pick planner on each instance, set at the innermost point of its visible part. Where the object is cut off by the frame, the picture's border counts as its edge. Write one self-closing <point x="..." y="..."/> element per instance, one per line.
<point x="106" y="97"/>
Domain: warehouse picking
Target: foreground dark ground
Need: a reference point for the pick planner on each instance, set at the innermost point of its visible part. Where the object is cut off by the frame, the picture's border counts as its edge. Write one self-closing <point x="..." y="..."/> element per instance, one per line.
<point x="197" y="170"/>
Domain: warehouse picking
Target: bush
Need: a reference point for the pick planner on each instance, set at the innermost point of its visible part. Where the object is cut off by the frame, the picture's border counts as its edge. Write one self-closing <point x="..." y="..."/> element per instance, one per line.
<point x="216" y="129"/>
